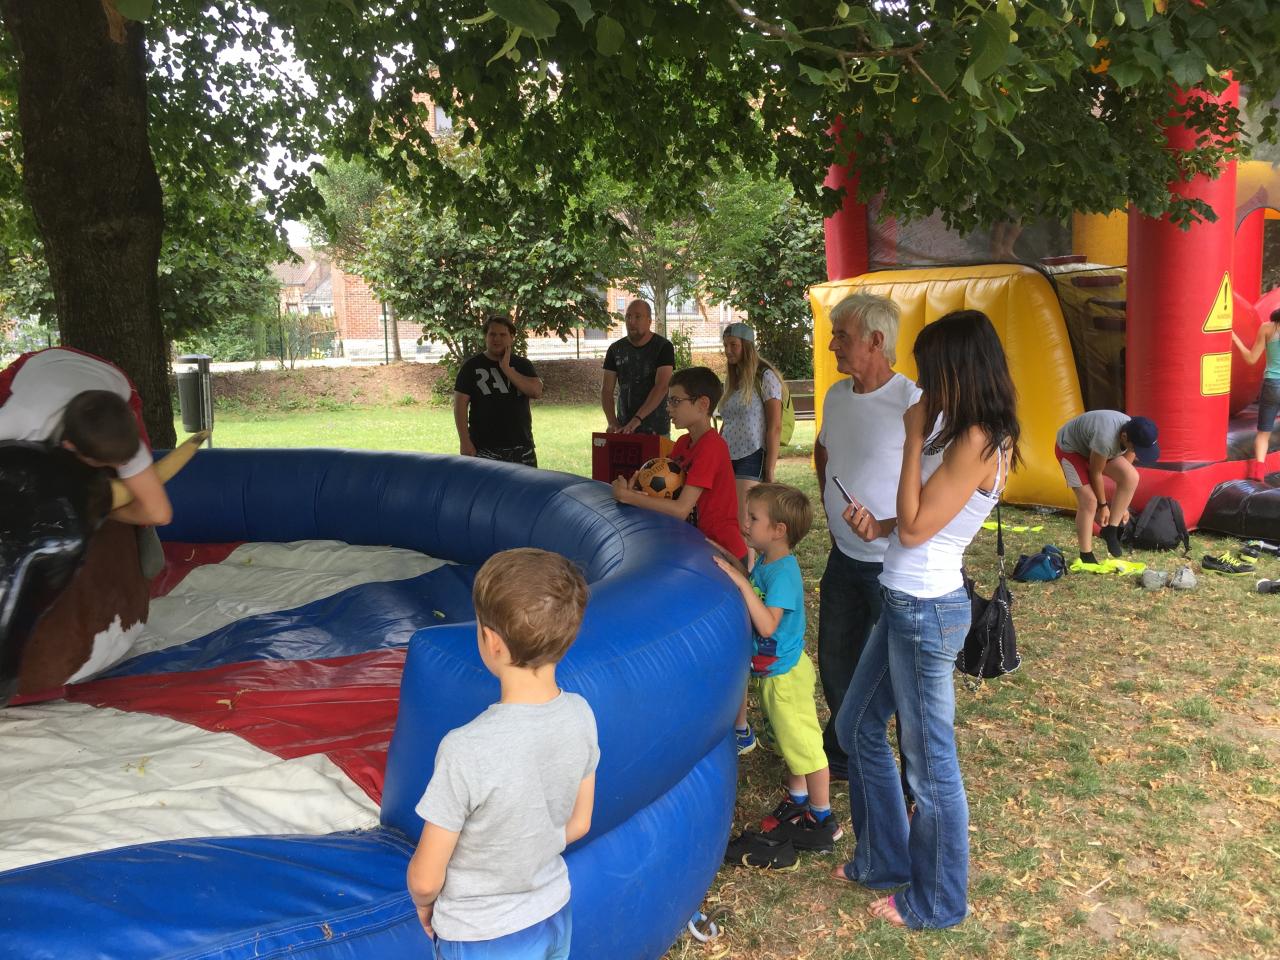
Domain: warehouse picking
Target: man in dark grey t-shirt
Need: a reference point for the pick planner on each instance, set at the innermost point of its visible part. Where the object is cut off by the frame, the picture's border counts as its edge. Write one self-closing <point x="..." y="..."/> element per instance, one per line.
<point x="638" y="367"/>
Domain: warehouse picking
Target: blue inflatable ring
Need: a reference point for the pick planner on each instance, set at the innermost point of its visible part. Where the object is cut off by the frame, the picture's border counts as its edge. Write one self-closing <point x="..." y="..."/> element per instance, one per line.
<point x="662" y="659"/>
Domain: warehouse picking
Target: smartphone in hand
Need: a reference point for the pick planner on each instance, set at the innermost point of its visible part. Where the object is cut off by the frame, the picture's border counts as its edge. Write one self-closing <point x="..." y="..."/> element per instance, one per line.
<point x="845" y="493"/>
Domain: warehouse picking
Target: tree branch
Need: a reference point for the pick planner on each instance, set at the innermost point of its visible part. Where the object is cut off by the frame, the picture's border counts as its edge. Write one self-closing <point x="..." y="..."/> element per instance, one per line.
<point x="844" y="56"/>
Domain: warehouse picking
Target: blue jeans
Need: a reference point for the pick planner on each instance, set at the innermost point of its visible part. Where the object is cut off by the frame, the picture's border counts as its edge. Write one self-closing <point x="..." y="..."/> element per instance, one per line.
<point x="546" y="940"/>
<point x="907" y="666"/>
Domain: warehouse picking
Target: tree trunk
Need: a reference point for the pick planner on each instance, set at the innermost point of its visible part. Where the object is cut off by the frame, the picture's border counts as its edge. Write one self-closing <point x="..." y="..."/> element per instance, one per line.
<point x="92" y="184"/>
<point x="660" y="297"/>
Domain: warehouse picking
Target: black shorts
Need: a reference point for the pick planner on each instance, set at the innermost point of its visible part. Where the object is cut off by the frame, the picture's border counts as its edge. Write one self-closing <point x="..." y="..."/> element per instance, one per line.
<point x="524" y="453"/>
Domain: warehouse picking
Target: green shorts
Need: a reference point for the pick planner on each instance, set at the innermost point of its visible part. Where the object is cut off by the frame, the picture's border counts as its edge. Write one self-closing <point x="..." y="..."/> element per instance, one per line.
<point x="793" y="717"/>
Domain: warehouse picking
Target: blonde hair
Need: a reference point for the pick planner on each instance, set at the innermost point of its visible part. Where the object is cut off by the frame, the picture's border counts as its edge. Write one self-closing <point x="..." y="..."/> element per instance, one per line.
<point x="747" y="375"/>
<point x="874" y="314"/>
<point x="785" y="505"/>
<point x="534" y="600"/>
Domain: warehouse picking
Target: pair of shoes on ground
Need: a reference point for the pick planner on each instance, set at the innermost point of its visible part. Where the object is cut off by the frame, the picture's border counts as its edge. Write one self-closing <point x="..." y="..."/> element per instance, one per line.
<point x="1228" y="563"/>
<point x="1181" y="579"/>
<point x="789" y="829"/>
<point x="796" y="822"/>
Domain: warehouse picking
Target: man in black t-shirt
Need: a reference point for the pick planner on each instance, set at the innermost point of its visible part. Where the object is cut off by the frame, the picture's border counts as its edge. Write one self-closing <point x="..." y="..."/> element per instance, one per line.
<point x="491" y="399"/>
<point x="639" y="368"/>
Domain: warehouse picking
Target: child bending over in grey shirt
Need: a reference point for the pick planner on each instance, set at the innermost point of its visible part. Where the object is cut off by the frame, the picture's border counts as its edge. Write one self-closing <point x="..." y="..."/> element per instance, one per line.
<point x="515" y="786"/>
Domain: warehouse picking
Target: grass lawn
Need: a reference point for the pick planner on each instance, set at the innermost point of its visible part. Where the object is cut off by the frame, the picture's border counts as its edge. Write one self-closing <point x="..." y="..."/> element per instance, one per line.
<point x="1123" y="785"/>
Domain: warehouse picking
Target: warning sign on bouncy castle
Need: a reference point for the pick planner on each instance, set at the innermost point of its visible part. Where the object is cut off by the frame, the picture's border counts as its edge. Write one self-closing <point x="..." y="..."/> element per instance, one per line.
<point x="1215" y="368"/>
<point x="1219" y="318"/>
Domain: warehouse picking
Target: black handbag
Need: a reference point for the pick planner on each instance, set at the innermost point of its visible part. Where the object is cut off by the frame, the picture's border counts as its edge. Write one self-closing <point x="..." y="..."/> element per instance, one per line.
<point x="991" y="646"/>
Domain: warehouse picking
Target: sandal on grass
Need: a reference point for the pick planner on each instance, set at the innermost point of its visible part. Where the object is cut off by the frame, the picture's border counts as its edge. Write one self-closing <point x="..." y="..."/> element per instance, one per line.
<point x="885" y="909"/>
<point x="841" y="873"/>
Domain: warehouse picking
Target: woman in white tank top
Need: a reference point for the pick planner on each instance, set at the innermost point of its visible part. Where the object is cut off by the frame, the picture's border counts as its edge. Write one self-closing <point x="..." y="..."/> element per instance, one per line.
<point x="962" y="439"/>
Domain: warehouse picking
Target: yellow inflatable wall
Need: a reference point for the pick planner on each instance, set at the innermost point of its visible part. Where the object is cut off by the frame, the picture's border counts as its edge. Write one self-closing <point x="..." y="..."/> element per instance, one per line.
<point x="1102" y="237"/>
<point x="1024" y="309"/>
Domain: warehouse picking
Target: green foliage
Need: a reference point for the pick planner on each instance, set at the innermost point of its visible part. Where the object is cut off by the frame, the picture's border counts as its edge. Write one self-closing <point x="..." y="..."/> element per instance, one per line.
<point x="763" y="262"/>
<point x="977" y="110"/>
<point x="436" y="271"/>
<point x="214" y="265"/>
<point x="349" y="189"/>
<point x="237" y="338"/>
<point x="683" y="344"/>
<point x="653" y="249"/>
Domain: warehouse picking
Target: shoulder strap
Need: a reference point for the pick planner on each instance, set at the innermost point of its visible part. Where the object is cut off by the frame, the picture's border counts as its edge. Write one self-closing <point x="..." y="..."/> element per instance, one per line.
<point x="1001" y="476"/>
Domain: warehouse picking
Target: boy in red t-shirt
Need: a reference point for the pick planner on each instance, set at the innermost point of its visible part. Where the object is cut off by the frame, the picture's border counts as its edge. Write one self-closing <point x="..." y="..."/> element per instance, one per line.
<point x="708" y="472"/>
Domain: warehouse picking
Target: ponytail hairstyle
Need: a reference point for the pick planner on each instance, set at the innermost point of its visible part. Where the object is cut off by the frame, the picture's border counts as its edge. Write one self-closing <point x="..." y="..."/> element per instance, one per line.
<point x="747" y="376"/>
<point x="964" y="376"/>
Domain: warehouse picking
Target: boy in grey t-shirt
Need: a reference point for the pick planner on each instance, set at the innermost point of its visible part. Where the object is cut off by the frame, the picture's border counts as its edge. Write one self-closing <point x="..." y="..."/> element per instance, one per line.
<point x="515" y="786"/>
<point x="1093" y="446"/>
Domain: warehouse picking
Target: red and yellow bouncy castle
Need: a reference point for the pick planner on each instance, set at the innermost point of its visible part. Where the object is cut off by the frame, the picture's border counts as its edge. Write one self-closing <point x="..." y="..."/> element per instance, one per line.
<point x="1180" y="305"/>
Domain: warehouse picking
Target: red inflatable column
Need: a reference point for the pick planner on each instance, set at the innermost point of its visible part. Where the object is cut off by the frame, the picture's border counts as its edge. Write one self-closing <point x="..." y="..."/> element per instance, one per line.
<point x="1178" y="362"/>
<point x="1246" y="265"/>
<point x="846" y="229"/>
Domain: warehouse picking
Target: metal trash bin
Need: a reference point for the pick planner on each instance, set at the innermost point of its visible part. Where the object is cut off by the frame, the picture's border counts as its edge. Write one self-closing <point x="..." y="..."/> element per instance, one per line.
<point x="195" y="393"/>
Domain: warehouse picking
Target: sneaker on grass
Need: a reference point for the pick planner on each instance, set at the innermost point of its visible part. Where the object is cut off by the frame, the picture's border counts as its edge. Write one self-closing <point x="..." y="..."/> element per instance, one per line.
<point x="756" y="850"/>
<point x="746" y="741"/>
<point x="787" y="811"/>
<point x="1154" y="580"/>
<point x="1227" y="563"/>
<point x="807" y="833"/>
<point x="1268" y="586"/>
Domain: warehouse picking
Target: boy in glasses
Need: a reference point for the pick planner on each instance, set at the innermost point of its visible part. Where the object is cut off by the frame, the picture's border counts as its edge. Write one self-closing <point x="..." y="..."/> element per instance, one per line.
<point x="709" y="493"/>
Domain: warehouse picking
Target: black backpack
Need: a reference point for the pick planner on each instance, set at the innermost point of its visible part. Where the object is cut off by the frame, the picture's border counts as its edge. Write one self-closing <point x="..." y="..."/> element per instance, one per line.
<point x="1160" y="526"/>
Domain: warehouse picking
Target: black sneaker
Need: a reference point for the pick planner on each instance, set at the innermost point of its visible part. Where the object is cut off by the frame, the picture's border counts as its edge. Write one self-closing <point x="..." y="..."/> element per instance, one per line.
<point x="808" y="834"/>
<point x="788" y="811"/>
<point x="756" y="850"/>
<point x="1265" y="546"/>
<point x="1226" y="563"/>
<point x="1268" y="586"/>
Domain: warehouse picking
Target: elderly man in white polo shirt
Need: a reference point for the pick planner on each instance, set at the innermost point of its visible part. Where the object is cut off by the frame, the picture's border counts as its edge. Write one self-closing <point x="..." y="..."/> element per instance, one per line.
<point x="861" y="446"/>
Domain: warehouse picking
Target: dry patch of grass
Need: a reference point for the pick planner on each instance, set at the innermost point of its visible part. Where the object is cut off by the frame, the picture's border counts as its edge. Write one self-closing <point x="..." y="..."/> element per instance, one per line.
<point x="1123" y="785"/>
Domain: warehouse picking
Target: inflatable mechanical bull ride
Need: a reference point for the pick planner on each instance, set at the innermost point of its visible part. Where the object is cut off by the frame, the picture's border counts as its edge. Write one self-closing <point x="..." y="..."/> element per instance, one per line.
<point x="71" y="584"/>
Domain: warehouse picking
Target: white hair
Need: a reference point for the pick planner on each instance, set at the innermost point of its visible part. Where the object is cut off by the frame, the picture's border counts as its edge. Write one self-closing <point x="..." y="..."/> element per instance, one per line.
<point x="874" y="314"/>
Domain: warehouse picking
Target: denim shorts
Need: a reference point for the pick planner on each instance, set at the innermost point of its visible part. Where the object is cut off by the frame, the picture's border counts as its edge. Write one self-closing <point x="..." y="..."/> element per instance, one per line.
<point x="546" y="940"/>
<point x="1268" y="405"/>
<point x="750" y="467"/>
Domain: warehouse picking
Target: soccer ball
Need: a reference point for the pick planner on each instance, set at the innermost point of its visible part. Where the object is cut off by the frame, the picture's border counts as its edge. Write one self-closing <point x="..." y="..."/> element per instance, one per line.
<point x="660" y="477"/>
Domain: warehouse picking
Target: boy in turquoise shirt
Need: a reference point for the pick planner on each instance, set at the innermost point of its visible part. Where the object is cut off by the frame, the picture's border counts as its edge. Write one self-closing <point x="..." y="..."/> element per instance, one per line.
<point x="778" y="517"/>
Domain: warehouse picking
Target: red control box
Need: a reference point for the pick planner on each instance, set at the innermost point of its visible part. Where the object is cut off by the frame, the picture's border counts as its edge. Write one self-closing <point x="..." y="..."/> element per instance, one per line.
<point x="622" y="454"/>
